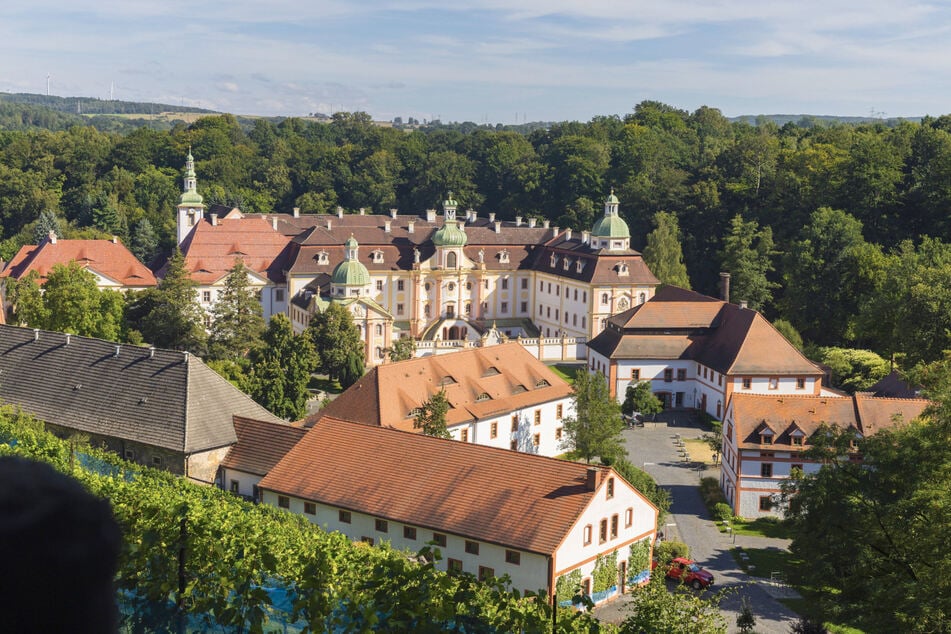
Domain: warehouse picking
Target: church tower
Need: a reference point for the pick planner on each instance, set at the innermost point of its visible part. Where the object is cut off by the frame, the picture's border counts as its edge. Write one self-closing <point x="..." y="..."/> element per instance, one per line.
<point x="190" y="208"/>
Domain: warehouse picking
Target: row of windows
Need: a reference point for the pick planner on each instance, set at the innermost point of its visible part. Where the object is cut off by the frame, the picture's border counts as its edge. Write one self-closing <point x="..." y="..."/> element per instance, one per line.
<point x="607" y="529"/>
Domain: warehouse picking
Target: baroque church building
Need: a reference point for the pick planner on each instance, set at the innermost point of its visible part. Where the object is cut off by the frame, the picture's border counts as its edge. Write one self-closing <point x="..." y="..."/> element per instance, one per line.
<point x="454" y="277"/>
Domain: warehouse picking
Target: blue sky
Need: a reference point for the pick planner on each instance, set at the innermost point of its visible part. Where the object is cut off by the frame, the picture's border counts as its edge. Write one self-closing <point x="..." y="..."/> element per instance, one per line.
<point x="487" y="60"/>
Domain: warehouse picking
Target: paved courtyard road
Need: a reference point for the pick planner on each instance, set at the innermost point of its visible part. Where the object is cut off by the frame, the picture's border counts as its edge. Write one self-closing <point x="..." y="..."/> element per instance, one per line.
<point x="652" y="448"/>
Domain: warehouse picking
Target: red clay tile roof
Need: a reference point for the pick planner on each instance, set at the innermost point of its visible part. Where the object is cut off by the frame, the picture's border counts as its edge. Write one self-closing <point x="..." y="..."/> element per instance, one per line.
<point x="104" y="257"/>
<point x="680" y="324"/>
<point x="261" y="445"/>
<point x="783" y="413"/>
<point x="507" y="373"/>
<point x="210" y="250"/>
<point x="494" y="495"/>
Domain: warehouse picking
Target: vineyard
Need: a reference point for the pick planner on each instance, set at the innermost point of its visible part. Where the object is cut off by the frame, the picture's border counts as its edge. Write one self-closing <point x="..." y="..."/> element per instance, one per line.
<point x="199" y="559"/>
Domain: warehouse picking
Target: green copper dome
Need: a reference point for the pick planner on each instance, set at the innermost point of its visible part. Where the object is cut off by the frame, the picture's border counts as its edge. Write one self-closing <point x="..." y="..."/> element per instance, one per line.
<point x="611" y="227"/>
<point x="450" y="235"/>
<point x="350" y="273"/>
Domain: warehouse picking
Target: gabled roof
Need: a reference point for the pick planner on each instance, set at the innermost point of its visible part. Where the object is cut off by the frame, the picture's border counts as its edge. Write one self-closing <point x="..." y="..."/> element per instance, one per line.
<point x="494" y="495"/>
<point x="261" y="444"/>
<point x="680" y="324"/>
<point x="162" y="398"/>
<point x="785" y="413"/>
<point x="388" y="393"/>
<point x="106" y="258"/>
<point x="211" y="249"/>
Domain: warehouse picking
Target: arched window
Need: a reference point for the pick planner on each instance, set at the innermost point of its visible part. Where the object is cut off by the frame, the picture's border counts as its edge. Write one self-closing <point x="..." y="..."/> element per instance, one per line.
<point x="451" y="260"/>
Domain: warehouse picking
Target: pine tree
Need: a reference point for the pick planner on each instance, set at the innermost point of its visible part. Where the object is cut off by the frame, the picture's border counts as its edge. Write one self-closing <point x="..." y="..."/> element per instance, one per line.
<point x="663" y="253"/>
<point x="174" y="318"/>
<point x="280" y="369"/>
<point x="431" y="418"/>
<point x="747" y="255"/>
<point x="237" y="324"/>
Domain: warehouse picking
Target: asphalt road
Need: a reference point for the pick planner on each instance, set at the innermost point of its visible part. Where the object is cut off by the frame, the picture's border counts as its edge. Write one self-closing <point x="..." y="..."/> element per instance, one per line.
<point x="652" y="448"/>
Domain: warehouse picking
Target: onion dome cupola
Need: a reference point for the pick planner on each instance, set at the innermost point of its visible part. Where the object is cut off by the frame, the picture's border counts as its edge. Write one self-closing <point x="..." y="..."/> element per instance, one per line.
<point x="191" y="208"/>
<point x="610" y="231"/>
<point x="350" y="275"/>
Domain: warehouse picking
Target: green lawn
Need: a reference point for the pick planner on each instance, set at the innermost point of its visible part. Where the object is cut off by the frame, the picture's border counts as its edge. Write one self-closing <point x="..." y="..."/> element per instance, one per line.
<point x="566" y="370"/>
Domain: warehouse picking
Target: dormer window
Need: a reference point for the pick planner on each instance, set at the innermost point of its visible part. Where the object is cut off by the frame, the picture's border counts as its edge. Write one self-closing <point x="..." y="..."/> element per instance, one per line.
<point x="579" y="264"/>
<point x="323" y="258"/>
<point x="503" y="256"/>
<point x="377" y="257"/>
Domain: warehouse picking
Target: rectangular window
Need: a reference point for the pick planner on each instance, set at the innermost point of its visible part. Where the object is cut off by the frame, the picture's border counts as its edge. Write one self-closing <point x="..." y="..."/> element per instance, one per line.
<point x="586" y="535"/>
<point x="472" y="547"/>
<point x="603" y="532"/>
<point x="773" y="383"/>
<point x="559" y="411"/>
<point x="668" y="375"/>
<point x="399" y="285"/>
<point x="440" y="539"/>
<point x="766" y="470"/>
<point x="409" y="532"/>
<point x="747" y="382"/>
<point x="485" y="574"/>
<point x="538" y="417"/>
<point x="283" y="501"/>
<point x="800" y="383"/>
<point x="614" y="526"/>
<point x="310" y="508"/>
<point x="382" y="526"/>
<point x="494" y="430"/>
<point x="682" y="374"/>
<point x="344" y="517"/>
<point x="765" y="503"/>
<point x="206" y="296"/>
<point x="513" y="557"/>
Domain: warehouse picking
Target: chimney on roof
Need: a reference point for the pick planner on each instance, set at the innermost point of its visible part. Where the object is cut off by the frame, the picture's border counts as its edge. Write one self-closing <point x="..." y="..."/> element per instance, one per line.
<point x="492" y="216"/>
<point x="585" y="237"/>
<point x="52" y="236"/>
<point x="531" y="223"/>
<point x="725" y="286"/>
<point x="387" y="224"/>
<point x="498" y="227"/>
<point x="363" y="211"/>
<point x="274" y="222"/>
<point x="546" y="223"/>
<point x="339" y="211"/>
<point x="116" y="354"/>
<point x="329" y="224"/>
<point x="394" y="212"/>
<point x="214" y="219"/>
<point x="115" y="239"/>
<point x="518" y="221"/>
<point x="742" y="303"/>
<point x="297" y="212"/>
<point x="430" y="215"/>
<point x="568" y="233"/>
<point x="151" y="352"/>
<point x="594" y="478"/>
<point x="36" y="334"/>
<point x="410" y="226"/>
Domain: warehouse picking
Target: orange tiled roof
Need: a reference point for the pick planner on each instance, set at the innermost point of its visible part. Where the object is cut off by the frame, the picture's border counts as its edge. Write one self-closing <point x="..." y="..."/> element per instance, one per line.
<point x="210" y="249"/>
<point x="480" y="383"/>
<point x="784" y="413"/>
<point x="104" y="257"/>
<point x="494" y="495"/>
<point x="261" y="444"/>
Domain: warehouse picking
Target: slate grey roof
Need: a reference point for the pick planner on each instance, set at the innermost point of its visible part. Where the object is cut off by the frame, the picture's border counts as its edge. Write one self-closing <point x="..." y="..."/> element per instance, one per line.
<point x="162" y="398"/>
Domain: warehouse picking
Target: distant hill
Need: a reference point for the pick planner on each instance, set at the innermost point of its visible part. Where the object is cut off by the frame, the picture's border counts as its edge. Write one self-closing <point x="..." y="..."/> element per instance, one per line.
<point x="812" y="120"/>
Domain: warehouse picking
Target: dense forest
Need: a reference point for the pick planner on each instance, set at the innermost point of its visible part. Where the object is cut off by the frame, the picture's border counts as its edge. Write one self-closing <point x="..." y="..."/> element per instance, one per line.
<point x="840" y="229"/>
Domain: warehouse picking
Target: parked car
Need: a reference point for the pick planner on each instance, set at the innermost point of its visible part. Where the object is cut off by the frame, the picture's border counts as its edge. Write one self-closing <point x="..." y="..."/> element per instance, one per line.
<point x="688" y="572"/>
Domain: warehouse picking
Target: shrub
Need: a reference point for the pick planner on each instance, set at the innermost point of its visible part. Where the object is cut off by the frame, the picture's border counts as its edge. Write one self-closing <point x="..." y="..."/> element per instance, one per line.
<point x="666" y="551"/>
